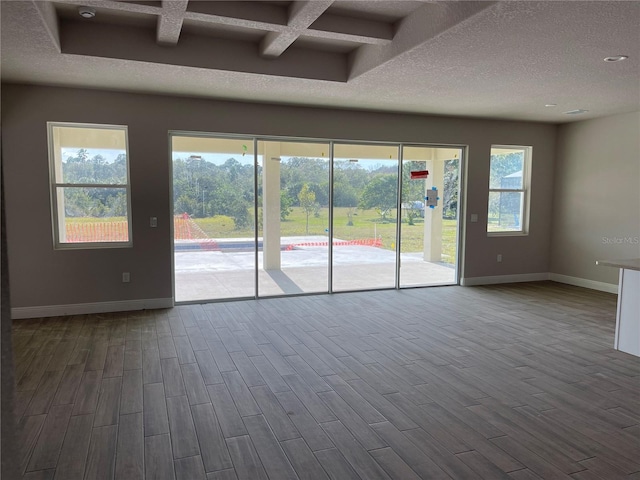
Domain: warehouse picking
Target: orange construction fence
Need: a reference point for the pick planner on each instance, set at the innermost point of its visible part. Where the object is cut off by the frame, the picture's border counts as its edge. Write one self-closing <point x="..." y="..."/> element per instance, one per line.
<point x="97" y="232"/>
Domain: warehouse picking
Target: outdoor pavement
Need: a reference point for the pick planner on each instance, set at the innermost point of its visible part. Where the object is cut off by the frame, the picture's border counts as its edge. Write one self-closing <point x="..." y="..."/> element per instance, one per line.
<point x="212" y="275"/>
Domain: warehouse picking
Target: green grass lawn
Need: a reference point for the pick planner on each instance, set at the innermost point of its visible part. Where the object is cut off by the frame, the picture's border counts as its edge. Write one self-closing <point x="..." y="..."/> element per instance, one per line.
<point x="367" y="224"/>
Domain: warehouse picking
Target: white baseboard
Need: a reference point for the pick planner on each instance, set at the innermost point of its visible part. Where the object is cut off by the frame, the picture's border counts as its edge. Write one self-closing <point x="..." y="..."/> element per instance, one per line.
<point x="536" y="277"/>
<point x="154" y="303"/>
<point x="85" y="308"/>
<point x="583" y="282"/>
<point x="525" y="277"/>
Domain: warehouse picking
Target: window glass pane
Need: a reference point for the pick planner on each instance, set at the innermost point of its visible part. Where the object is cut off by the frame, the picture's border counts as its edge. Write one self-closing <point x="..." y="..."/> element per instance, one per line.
<point x="214" y="218"/>
<point x="428" y="236"/>
<point x="93" y="214"/>
<point x="507" y="167"/>
<point x="294" y="217"/>
<point x="505" y="211"/>
<point x="365" y="217"/>
<point x="89" y="155"/>
<point x="86" y="155"/>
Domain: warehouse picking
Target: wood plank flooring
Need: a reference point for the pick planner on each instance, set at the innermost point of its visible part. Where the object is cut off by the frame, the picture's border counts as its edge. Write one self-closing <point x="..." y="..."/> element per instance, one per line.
<point x="514" y="382"/>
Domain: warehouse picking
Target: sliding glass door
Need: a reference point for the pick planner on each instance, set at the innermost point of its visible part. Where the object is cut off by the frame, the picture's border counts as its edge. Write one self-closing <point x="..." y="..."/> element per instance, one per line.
<point x="213" y="218"/>
<point x="259" y="217"/>
<point x="429" y="229"/>
<point x="365" y="198"/>
<point x="293" y="217"/>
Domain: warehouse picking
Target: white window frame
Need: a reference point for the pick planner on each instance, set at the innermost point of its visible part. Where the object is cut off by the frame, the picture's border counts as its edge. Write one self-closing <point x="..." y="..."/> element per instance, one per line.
<point x="525" y="190"/>
<point x="54" y="185"/>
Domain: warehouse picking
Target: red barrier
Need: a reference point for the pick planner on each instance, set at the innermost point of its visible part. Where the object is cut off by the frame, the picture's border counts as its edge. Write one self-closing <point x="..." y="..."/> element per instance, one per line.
<point x="365" y="242"/>
<point x="184" y="228"/>
<point x="97" y="232"/>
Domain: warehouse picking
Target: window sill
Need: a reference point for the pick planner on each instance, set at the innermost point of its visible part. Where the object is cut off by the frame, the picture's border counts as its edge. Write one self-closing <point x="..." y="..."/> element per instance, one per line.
<point x="92" y="246"/>
<point x="507" y="234"/>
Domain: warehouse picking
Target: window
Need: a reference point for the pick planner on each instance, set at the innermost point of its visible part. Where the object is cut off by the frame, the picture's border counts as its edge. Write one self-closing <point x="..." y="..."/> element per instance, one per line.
<point x="90" y="193"/>
<point x="509" y="190"/>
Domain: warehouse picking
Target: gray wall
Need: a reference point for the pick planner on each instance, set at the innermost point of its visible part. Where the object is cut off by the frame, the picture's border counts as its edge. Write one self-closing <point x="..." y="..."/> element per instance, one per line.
<point x="42" y="276"/>
<point x="596" y="208"/>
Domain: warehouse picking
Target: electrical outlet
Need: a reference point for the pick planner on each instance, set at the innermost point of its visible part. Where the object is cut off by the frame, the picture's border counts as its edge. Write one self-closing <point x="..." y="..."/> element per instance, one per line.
<point x="153" y="222"/>
<point x="474" y="217"/>
<point x="126" y="277"/>
<point x="499" y="258"/>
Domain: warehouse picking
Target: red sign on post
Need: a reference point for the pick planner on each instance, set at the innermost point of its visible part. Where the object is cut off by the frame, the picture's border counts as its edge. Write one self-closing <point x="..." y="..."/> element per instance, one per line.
<point x="419" y="174"/>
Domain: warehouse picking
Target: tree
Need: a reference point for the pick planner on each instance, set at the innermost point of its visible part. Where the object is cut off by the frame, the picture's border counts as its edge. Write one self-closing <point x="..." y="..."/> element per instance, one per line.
<point x="229" y="200"/>
<point x="297" y="170"/>
<point x="450" y="189"/>
<point x="225" y="189"/>
<point x="381" y="193"/>
<point x="285" y="205"/>
<point x="350" y="212"/>
<point x="307" y="199"/>
<point x="412" y="191"/>
<point x="94" y="202"/>
<point x="344" y="195"/>
<point x="184" y="204"/>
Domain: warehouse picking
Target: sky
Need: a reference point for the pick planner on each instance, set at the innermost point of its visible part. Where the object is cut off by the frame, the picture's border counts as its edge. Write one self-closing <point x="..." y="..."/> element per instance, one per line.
<point x="220" y="158"/>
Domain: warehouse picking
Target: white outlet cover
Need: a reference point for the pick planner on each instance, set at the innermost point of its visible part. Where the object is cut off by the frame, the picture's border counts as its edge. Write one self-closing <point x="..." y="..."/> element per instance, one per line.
<point x="474" y="217"/>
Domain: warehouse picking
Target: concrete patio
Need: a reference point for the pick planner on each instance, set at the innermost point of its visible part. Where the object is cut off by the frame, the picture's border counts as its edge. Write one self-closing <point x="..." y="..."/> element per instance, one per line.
<point x="218" y="274"/>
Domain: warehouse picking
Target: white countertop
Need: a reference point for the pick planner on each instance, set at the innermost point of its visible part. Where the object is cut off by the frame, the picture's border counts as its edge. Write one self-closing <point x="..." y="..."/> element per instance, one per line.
<point x="629" y="263"/>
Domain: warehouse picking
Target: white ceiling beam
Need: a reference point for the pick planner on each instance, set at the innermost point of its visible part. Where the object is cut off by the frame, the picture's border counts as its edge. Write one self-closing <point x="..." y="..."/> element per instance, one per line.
<point x="275" y="43"/>
<point x="133" y="44"/>
<point x="253" y="16"/>
<point x="114" y="5"/>
<point x="170" y="22"/>
<point x="336" y="27"/>
<point x="301" y="16"/>
<point x="234" y="22"/>
<point x="351" y="29"/>
<point x="357" y="40"/>
<point x="260" y="15"/>
<point x="423" y="25"/>
<point x="47" y="14"/>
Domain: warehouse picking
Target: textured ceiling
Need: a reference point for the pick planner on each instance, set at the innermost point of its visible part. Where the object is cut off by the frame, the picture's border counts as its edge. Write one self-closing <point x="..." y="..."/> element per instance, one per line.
<point x="478" y="59"/>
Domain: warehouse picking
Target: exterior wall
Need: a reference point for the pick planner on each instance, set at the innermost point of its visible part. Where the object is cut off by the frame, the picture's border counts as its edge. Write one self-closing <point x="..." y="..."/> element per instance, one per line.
<point x="596" y="210"/>
<point x="43" y="276"/>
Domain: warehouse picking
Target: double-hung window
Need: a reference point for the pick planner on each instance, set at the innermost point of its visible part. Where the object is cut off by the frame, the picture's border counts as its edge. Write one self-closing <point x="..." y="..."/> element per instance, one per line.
<point x="509" y="186"/>
<point x="90" y="191"/>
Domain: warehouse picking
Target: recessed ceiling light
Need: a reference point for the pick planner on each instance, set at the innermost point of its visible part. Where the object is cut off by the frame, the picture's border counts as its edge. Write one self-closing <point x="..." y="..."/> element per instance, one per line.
<point x="616" y="58"/>
<point x="551" y="105"/>
<point x="578" y="111"/>
<point x="87" y="12"/>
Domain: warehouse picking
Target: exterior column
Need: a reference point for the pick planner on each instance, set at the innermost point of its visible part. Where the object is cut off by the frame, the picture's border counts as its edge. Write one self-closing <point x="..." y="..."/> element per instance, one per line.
<point x="271" y="206"/>
<point x="433" y="216"/>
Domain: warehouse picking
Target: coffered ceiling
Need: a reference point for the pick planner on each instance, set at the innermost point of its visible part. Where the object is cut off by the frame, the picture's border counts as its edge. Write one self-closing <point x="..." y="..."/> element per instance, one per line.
<point x="468" y="58"/>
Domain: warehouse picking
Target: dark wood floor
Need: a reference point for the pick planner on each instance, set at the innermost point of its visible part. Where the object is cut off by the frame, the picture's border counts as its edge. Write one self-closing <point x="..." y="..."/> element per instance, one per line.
<point x="517" y="382"/>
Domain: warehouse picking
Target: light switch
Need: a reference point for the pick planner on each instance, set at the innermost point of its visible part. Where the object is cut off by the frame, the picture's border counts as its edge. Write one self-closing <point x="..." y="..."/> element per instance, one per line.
<point x="153" y="222"/>
<point x="474" y="217"/>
